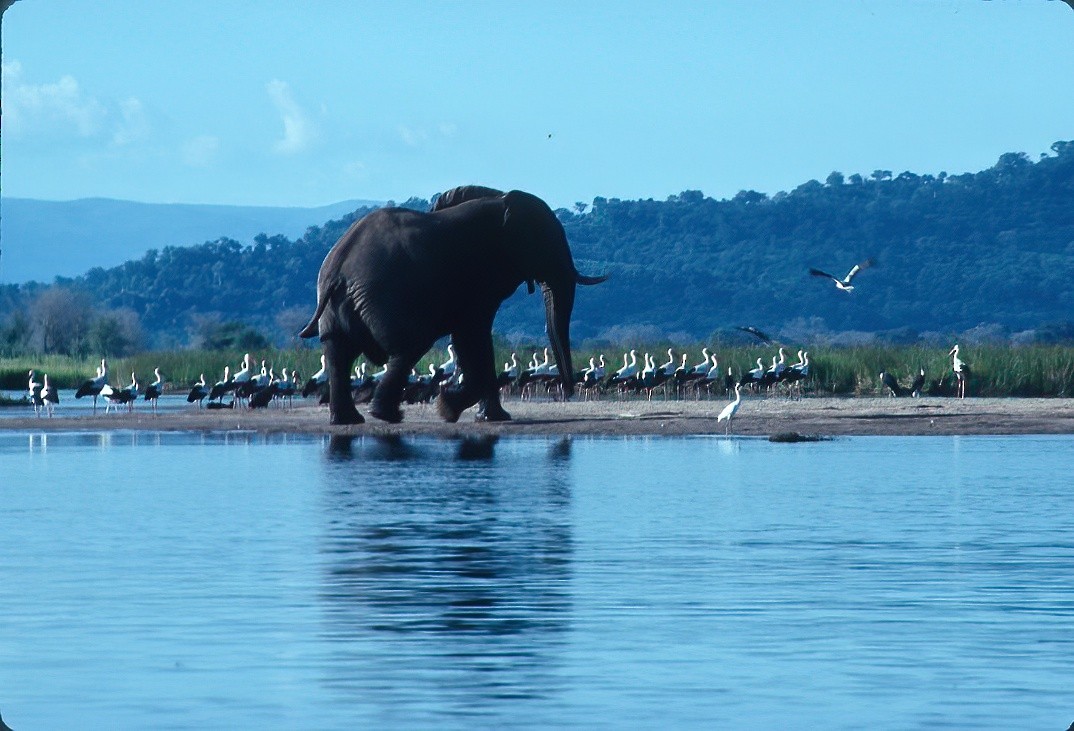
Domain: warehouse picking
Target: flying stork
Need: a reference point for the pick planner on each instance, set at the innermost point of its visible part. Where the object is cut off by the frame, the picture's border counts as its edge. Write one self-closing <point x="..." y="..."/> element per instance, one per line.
<point x="844" y="283"/>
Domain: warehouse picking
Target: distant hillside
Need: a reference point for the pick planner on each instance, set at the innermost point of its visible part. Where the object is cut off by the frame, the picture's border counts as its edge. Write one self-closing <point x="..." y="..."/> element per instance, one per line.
<point x="44" y="239"/>
<point x="952" y="253"/>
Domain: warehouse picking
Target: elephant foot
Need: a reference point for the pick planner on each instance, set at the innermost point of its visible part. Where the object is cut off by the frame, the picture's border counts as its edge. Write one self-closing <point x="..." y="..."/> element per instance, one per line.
<point x="390" y="414"/>
<point x="492" y="412"/>
<point x="348" y="418"/>
<point x="446" y="409"/>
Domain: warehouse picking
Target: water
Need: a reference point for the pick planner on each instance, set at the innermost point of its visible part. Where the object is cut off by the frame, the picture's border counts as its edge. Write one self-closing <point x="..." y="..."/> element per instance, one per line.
<point x="71" y="406"/>
<point x="241" y="581"/>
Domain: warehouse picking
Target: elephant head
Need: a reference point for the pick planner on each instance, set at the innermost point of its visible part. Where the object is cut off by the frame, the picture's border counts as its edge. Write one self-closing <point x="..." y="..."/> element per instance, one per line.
<point x="537" y="246"/>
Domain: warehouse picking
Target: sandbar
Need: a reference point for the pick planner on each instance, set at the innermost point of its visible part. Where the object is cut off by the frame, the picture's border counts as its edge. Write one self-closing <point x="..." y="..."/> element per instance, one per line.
<point x="757" y="416"/>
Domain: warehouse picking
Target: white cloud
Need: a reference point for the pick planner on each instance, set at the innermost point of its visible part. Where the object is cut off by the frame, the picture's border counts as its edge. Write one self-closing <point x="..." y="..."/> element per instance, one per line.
<point x="59" y="105"/>
<point x="412" y="136"/>
<point x="133" y="126"/>
<point x="354" y="170"/>
<point x="418" y="136"/>
<point x="200" y="152"/>
<point x="297" y="129"/>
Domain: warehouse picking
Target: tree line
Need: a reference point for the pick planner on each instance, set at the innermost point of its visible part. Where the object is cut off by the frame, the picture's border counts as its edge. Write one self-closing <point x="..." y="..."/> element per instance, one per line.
<point x="989" y="254"/>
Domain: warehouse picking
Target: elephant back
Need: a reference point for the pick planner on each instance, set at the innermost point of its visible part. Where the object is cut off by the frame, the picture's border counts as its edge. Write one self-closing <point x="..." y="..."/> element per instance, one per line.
<point x="463" y="193"/>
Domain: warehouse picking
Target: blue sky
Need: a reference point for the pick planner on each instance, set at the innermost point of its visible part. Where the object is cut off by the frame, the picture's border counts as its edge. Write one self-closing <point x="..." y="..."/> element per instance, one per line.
<point x="299" y="104"/>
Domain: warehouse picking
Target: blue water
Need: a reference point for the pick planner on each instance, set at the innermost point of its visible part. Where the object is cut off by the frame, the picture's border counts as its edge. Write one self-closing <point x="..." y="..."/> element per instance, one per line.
<point x="241" y="581"/>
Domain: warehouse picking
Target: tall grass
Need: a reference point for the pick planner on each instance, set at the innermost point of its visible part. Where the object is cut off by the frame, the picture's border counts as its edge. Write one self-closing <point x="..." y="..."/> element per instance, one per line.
<point x="996" y="370"/>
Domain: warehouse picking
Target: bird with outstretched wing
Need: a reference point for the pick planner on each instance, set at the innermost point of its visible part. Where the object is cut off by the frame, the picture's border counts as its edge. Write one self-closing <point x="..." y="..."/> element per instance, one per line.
<point x="844" y="283"/>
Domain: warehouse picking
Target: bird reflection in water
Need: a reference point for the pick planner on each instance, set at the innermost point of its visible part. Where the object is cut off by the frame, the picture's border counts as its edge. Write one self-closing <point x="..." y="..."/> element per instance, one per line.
<point x="448" y="572"/>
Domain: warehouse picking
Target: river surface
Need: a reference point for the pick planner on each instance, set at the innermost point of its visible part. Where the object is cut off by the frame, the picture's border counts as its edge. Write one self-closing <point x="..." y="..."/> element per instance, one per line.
<point x="236" y="580"/>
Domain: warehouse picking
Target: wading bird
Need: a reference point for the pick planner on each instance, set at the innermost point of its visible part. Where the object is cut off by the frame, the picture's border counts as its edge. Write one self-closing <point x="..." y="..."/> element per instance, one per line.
<point x="844" y="283"/>
<point x="729" y="411"/>
<point x="154" y="389"/>
<point x="918" y="384"/>
<point x="892" y="384"/>
<point x="198" y="392"/>
<point x="92" y="386"/>
<point x="34" y="387"/>
<point x="50" y="397"/>
<point x="961" y="369"/>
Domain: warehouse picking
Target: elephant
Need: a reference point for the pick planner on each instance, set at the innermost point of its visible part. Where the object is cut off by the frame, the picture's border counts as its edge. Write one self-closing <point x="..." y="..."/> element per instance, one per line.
<point x="399" y="279"/>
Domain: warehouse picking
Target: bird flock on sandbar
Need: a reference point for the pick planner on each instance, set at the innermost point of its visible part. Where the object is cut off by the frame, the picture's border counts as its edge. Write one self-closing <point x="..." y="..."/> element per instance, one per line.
<point x="249" y="387"/>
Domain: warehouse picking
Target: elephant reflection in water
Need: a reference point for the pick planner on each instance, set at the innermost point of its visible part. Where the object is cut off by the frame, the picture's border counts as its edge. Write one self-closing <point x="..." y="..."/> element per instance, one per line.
<point x="467" y="563"/>
<point x="392" y="447"/>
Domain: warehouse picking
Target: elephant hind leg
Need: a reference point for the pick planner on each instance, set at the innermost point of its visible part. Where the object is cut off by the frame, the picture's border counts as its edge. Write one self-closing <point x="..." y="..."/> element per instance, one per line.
<point x="340" y="357"/>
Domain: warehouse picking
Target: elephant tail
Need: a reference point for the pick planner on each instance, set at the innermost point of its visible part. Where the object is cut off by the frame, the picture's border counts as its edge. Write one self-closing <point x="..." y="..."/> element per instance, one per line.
<point x="312" y="329"/>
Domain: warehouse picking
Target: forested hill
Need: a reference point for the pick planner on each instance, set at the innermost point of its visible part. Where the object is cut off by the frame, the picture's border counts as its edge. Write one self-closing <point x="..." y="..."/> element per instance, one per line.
<point x="951" y="252"/>
<point x="44" y="239"/>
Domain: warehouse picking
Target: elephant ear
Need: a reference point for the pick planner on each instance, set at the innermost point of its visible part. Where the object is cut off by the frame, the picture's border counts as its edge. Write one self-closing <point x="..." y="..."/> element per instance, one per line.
<point x="507" y="197"/>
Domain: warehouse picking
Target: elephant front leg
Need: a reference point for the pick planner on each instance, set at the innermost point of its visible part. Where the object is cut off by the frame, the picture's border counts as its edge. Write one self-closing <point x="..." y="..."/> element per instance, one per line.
<point x="475" y="353"/>
<point x="340" y="402"/>
<point x="490" y="409"/>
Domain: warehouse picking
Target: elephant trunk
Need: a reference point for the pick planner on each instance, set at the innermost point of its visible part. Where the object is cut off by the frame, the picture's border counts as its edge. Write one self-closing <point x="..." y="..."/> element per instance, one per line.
<point x="558" y="304"/>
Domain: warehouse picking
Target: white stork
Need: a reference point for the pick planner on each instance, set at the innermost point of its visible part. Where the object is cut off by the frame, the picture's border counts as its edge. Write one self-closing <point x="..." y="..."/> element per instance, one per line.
<point x="844" y="283"/>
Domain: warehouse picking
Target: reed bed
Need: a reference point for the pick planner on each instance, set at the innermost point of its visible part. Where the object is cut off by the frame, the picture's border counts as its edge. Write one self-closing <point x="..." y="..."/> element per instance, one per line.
<point x="996" y="370"/>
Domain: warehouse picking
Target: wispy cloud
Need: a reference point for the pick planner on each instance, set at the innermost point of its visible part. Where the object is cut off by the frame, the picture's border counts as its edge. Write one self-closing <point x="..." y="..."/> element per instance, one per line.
<point x="418" y="136"/>
<point x="61" y="104"/>
<point x="297" y="128"/>
<point x="133" y="125"/>
<point x="200" y="152"/>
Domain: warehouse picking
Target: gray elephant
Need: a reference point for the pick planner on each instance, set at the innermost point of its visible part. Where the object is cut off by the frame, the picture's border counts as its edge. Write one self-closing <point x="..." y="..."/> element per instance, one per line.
<point x="399" y="279"/>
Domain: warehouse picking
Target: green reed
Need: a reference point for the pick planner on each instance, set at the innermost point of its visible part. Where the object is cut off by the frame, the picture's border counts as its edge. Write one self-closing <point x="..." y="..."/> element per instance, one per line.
<point x="996" y="370"/>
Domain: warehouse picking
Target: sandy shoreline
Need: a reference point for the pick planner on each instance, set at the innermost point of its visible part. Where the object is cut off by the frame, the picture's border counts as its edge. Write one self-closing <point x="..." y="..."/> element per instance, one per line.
<point x="757" y="417"/>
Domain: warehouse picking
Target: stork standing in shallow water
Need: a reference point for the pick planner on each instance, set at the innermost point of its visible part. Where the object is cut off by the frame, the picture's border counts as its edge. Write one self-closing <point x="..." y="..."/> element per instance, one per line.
<point x="34" y="388"/>
<point x="94" y="386"/>
<point x="198" y="392"/>
<point x="50" y="397"/>
<point x="216" y="393"/>
<point x="154" y="389"/>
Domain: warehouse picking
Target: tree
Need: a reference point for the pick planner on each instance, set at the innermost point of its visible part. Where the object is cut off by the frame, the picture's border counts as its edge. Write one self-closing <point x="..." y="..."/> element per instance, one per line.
<point x="233" y="336"/>
<point x="834" y="179"/>
<point x="290" y="321"/>
<point x="116" y="333"/>
<point x="15" y="336"/>
<point x="748" y="197"/>
<point x="61" y="319"/>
